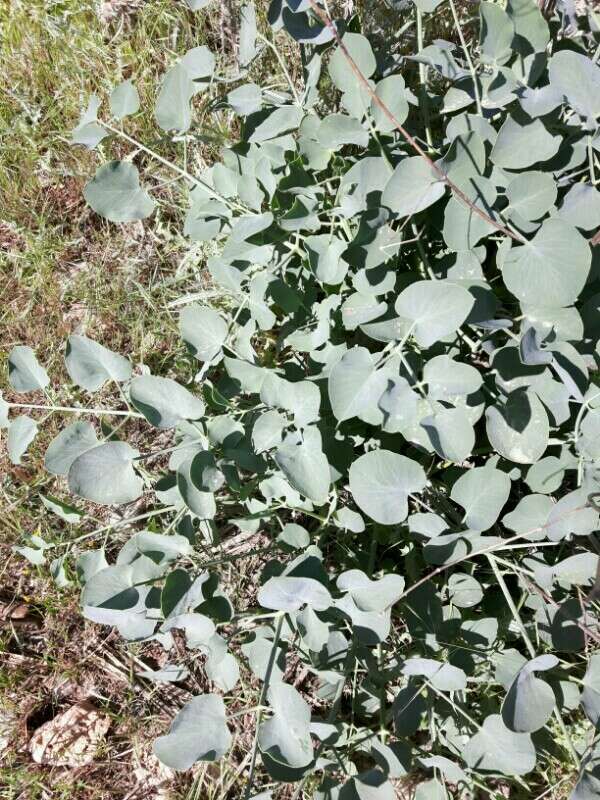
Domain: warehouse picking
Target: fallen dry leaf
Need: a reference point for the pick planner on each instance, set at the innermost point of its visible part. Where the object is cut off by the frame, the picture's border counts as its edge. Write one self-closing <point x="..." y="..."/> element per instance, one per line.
<point x="71" y="738"/>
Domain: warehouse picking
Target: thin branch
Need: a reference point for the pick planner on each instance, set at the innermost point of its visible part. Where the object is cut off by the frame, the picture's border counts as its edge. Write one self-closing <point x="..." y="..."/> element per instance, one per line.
<point x="326" y="20"/>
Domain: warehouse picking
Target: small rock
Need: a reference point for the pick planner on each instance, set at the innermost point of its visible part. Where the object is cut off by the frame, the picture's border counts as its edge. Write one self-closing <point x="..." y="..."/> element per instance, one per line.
<point x="71" y="738"/>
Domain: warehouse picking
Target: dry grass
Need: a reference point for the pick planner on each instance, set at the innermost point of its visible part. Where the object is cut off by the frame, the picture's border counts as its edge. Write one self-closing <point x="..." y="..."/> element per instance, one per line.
<point x="62" y="270"/>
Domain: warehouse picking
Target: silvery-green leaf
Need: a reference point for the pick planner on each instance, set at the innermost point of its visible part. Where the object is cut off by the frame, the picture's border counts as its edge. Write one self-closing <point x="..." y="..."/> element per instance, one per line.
<point x="204" y="472"/>
<point x="124" y="100"/>
<point x="65" y="511"/>
<point x="198" y="628"/>
<point x="90" y="364"/>
<point x="58" y="572"/>
<point x="369" y="595"/>
<point x="324" y="254"/>
<point x="305" y="466"/>
<point x="313" y="631"/>
<point x="285" y="737"/>
<point x="530" y="516"/>
<point x="354" y="384"/>
<point x="294" y="536"/>
<point x="163" y="401"/>
<point x="482" y="492"/>
<point x="248" y="32"/>
<point x="25" y="374"/>
<point x="203" y="330"/>
<point x="443" y="676"/>
<point x="450" y="433"/>
<point x="530" y="350"/>
<point x="68" y="445"/>
<point x="392" y="92"/>
<point x="413" y="187"/>
<point x="435" y="308"/>
<point x="360" y="308"/>
<point x="535" y="271"/>
<point x="531" y="194"/>
<point x="287" y="593"/>
<point x="530" y="700"/>
<point x="199" y="62"/>
<point x="268" y="431"/>
<point x="224" y="672"/>
<point x="89" y="563"/>
<point x="115" y="193"/>
<point x="572" y="514"/>
<point x="349" y="520"/>
<point x="162" y="549"/>
<point x="105" y="474"/>
<point x="590" y="696"/>
<point x="446" y="378"/>
<point x="518" y="429"/>
<point x="200" y="502"/>
<point x="577" y="77"/>
<point x="299" y="28"/>
<point x="399" y="404"/>
<point x="245" y="99"/>
<point x="373" y="784"/>
<point x="21" y="433"/>
<point x="196" y="5"/>
<point x="260" y="652"/>
<point x="432" y="789"/>
<point x="529" y="24"/>
<point x="301" y="398"/>
<point x="336" y="130"/>
<point x="581" y="207"/>
<point x="88" y="132"/>
<point x="173" y="111"/>
<point x="120" y="588"/>
<point x="249" y="376"/>
<point x="520" y="145"/>
<point x="380" y="482"/>
<point x="496" y="34"/>
<point x="495" y="748"/>
<point x="271" y="124"/>
<point x="199" y="733"/>
<point x="463" y="227"/>
<point x="361" y="53"/>
<point x="464" y="591"/>
<point x="4" y="407"/>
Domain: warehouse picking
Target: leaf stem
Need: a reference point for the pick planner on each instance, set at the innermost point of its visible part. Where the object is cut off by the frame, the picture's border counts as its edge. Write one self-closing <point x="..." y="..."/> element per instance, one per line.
<point x="181" y="172"/>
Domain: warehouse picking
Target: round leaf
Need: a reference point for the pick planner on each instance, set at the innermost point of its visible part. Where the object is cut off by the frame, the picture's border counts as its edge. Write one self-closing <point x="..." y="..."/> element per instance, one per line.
<point x="380" y="482"/>
<point x="115" y="193"/>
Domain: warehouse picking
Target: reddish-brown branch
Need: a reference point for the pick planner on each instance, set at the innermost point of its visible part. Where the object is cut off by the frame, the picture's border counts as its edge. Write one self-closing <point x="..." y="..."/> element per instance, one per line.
<point x="326" y="20"/>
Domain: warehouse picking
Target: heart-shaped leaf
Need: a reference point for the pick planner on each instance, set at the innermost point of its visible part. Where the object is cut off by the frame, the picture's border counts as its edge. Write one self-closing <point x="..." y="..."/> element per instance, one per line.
<point x="199" y="733"/>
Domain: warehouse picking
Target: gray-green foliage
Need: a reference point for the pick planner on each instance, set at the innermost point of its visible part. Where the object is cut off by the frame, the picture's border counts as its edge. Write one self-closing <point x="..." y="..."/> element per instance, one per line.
<point x="397" y="389"/>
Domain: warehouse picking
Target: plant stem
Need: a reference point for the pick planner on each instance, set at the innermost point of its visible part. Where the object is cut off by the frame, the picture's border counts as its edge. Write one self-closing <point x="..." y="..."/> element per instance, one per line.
<point x="532" y="652"/>
<point x="270" y="44"/>
<point x="261" y="701"/>
<point x="467" y="56"/>
<point x="423" y="80"/>
<point x="73" y="409"/>
<point x="181" y="172"/>
<point x="118" y="523"/>
<point x="326" y="20"/>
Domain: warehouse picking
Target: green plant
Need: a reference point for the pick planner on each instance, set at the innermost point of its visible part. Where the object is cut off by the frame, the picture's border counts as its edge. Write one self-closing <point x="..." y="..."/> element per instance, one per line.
<point x="397" y="389"/>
